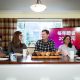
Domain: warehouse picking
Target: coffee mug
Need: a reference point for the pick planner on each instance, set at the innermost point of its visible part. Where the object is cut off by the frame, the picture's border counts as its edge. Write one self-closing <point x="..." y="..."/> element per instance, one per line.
<point x="71" y="54"/>
<point x="13" y="57"/>
<point x="24" y="52"/>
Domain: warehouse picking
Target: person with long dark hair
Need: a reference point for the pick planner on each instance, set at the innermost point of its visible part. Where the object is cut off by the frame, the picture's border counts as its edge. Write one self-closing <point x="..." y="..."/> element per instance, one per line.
<point x="16" y="45"/>
<point x="67" y="46"/>
<point x="2" y="54"/>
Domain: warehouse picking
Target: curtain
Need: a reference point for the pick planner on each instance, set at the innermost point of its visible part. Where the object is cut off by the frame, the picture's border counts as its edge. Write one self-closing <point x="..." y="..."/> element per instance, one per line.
<point x="7" y="28"/>
<point x="71" y="22"/>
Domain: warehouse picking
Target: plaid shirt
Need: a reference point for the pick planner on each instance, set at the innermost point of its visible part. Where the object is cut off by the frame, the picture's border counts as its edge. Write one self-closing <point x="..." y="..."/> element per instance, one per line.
<point x="44" y="46"/>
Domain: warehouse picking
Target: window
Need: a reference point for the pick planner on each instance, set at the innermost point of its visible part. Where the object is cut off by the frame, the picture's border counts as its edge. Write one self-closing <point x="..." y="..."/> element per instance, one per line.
<point x="31" y="28"/>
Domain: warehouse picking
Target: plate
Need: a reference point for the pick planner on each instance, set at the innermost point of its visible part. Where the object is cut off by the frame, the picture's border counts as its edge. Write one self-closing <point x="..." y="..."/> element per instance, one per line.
<point x="78" y="58"/>
<point x="75" y="55"/>
<point x="2" y="59"/>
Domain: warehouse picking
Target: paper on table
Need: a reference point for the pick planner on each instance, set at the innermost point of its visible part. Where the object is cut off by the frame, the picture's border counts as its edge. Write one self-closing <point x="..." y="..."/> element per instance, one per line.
<point x="2" y="59"/>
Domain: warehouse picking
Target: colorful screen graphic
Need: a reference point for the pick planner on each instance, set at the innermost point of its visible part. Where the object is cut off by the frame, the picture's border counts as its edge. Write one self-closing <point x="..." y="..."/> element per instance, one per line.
<point x="57" y="34"/>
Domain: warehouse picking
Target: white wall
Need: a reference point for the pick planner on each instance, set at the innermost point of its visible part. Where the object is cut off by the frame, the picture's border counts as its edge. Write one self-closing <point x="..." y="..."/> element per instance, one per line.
<point x="40" y="72"/>
<point x="66" y="14"/>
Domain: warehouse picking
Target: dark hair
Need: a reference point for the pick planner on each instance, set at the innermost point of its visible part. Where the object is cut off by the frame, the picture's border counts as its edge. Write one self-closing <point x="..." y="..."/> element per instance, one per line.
<point x="45" y="31"/>
<point x="15" y="40"/>
<point x="70" y="44"/>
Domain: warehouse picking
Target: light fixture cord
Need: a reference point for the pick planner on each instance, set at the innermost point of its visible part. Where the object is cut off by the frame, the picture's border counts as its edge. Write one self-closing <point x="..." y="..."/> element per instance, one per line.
<point x="38" y="1"/>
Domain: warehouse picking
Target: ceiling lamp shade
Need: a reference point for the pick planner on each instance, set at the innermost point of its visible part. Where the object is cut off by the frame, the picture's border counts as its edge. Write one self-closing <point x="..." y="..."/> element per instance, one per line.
<point x="38" y="7"/>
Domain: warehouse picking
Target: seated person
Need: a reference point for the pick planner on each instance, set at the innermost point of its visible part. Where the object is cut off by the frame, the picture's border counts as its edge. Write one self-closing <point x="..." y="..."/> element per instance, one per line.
<point x="16" y="45"/>
<point x="67" y="46"/>
<point x="2" y="53"/>
<point x="45" y="44"/>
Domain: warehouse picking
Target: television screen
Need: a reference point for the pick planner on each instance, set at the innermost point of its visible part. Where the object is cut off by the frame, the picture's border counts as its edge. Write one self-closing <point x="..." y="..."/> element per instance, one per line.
<point x="57" y="34"/>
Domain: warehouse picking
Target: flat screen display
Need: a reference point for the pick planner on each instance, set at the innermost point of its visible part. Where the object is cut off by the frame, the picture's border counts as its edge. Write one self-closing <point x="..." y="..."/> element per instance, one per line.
<point x="57" y="34"/>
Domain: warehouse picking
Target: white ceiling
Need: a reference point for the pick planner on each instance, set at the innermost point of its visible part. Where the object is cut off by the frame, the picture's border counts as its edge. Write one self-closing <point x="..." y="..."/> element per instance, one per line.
<point x="52" y="5"/>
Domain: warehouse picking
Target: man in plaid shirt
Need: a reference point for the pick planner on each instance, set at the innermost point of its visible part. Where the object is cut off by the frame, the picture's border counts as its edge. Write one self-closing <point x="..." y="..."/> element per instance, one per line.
<point x="45" y="44"/>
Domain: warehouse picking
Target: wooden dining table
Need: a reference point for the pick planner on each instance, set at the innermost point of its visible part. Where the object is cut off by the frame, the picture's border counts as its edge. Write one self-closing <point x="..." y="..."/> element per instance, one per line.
<point x="29" y="59"/>
<point x="38" y="68"/>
